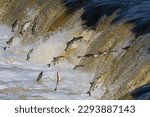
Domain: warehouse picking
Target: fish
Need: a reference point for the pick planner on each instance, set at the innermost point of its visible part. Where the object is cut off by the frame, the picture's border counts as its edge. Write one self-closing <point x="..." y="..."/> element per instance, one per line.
<point x="24" y="27"/>
<point x="96" y="55"/>
<point x="49" y="65"/>
<point x="39" y="76"/>
<point x="33" y="29"/>
<point x="29" y="54"/>
<point x="58" y="80"/>
<point x="69" y="44"/>
<point x="93" y="85"/>
<point x="77" y="38"/>
<point x="126" y="48"/>
<point x="55" y="60"/>
<point x="78" y="66"/>
<point x="14" y="25"/>
<point x="10" y="41"/>
<point x="87" y="56"/>
<point x="106" y="52"/>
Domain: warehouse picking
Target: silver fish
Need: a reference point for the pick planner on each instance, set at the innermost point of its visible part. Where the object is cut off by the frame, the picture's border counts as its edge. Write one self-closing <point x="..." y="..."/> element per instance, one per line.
<point x="10" y="41"/>
<point x="24" y="27"/>
<point x="14" y="25"/>
<point x="87" y="56"/>
<point x="55" y="60"/>
<point x="78" y="66"/>
<point x="127" y="47"/>
<point x="58" y="80"/>
<point x="106" y="52"/>
<point x="33" y="29"/>
<point x="29" y="54"/>
<point x="77" y="38"/>
<point x="93" y="85"/>
<point x="39" y="76"/>
<point x="69" y="44"/>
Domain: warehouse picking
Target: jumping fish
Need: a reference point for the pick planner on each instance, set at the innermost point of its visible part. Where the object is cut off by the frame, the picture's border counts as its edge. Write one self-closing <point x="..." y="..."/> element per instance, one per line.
<point x="126" y="48"/>
<point x="33" y="29"/>
<point x="55" y="60"/>
<point x="24" y="27"/>
<point x="87" y="56"/>
<point x="96" y="55"/>
<point x="14" y="25"/>
<point x="39" y="76"/>
<point x="69" y="44"/>
<point x="58" y="80"/>
<point x="93" y="85"/>
<point x="78" y="66"/>
<point x="29" y="54"/>
<point x="8" y="43"/>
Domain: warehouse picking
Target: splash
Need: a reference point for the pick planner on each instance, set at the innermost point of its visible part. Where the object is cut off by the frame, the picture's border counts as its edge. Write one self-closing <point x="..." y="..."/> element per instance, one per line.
<point x="120" y="29"/>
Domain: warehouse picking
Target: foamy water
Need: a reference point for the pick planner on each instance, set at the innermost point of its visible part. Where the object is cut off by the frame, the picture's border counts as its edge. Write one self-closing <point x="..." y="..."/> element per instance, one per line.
<point x="18" y="77"/>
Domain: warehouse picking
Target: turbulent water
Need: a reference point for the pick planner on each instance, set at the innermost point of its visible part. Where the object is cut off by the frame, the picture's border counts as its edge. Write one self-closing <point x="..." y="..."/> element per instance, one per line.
<point x="106" y="25"/>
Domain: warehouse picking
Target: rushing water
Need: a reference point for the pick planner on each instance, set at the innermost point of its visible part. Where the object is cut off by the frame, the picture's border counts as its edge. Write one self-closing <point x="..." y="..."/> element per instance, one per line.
<point x="18" y="76"/>
<point x="118" y="28"/>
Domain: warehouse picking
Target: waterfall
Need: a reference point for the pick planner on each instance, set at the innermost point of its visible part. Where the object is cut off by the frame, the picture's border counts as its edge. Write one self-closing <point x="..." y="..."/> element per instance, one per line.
<point x="116" y="28"/>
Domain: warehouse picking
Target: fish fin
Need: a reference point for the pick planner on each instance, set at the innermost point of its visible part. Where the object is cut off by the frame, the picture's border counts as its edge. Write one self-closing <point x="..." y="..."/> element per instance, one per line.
<point x="21" y="33"/>
<point x="12" y="30"/>
<point x="88" y="93"/>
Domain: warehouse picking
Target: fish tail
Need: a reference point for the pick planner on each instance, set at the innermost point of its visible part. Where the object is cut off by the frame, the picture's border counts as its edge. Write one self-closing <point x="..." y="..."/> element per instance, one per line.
<point x="48" y="65"/>
<point x="37" y="79"/>
<point x="65" y="49"/>
<point x="55" y="89"/>
<point x="27" y="59"/>
<point x="88" y="93"/>
<point x="4" y="48"/>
